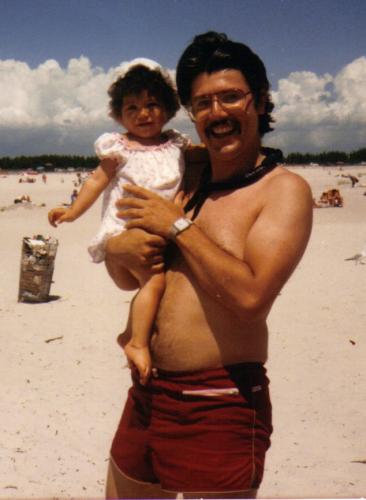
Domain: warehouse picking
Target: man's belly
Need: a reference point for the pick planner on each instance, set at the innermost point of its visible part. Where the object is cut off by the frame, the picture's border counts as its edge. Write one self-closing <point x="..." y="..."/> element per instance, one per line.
<point x="194" y="331"/>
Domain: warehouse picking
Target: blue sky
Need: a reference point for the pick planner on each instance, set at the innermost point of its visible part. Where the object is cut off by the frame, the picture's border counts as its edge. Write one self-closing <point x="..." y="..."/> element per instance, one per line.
<point x="314" y="51"/>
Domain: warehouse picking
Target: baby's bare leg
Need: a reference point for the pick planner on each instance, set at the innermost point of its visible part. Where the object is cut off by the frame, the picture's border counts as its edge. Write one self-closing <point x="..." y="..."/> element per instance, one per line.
<point x="143" y="312"/>
<point x="122" y="277"/>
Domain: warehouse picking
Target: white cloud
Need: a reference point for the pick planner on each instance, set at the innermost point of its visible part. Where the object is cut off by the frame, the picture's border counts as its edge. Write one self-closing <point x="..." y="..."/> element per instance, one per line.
<point x="43" y="109"/>
<point x="50" y="109"/>
<point x="317" y="113"/>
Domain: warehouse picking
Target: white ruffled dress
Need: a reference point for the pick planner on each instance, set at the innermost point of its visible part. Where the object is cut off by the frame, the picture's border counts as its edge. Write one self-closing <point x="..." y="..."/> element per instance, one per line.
<point x="157" y="168"/>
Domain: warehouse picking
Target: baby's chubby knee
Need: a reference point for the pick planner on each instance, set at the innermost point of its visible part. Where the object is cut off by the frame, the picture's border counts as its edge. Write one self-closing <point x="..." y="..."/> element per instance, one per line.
<point x="120" y="275"/>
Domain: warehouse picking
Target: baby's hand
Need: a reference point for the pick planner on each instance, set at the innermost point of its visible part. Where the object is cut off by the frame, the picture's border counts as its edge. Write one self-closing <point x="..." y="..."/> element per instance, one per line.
<point x="59" y="215"/>
<point x="139" y="358"/>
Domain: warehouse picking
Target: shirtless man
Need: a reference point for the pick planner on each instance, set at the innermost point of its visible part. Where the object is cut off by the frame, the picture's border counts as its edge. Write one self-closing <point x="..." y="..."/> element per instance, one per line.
<point x="202" y="425"/>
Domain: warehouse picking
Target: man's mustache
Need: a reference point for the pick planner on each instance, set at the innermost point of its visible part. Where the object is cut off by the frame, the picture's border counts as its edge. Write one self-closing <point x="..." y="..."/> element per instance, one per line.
<point x="233" y="124"/>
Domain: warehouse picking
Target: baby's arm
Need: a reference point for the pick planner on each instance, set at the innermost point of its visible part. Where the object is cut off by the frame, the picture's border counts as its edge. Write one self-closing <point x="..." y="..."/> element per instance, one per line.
<point x="89" y="193"/>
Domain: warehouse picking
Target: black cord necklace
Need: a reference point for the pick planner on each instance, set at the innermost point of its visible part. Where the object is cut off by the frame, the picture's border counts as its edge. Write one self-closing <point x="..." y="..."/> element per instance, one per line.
<point x="272" y="158"/>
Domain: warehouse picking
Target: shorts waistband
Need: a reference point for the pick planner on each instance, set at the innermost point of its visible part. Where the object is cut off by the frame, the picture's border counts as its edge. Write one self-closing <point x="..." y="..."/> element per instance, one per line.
<point x="238" y="368"/>
<point x="220" y="369"/>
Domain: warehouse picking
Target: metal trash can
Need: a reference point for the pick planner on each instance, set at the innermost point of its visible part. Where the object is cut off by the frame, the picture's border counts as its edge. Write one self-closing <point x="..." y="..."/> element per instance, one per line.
<point x="36" y="268"/>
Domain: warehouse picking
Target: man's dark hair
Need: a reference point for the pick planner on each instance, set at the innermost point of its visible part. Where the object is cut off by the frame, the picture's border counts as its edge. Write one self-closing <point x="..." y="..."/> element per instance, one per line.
<point x="138" y="79"/>
<point x="212" y="52"/>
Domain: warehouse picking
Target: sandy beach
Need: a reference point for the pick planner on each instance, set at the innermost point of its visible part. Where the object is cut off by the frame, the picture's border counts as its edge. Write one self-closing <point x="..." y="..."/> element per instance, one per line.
<point x="64" y="378"/>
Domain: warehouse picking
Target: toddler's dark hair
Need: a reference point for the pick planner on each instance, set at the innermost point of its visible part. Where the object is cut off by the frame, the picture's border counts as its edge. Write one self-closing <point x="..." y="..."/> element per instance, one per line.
<point x="212" y="52"/>
<point x="138" y="79"/>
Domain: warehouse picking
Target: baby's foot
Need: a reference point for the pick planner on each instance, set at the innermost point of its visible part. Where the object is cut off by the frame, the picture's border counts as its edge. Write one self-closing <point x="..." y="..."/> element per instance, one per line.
<point x="139" y="357"/>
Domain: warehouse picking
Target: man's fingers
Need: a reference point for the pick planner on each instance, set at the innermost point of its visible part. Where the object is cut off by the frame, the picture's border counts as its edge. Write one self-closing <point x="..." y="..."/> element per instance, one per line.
<point x="157" y="268"/>
<point x="156" y="241"/>
<point x="154" y="259"/>
<point x="157" y="260"/>
<point x="179" y="199"/>
<point x="130" y="203"/>
<point x="134" y="223"/>
<point x="153" y="268"/>
<point x="133" y="213"/>
<point x="153" y="252"/>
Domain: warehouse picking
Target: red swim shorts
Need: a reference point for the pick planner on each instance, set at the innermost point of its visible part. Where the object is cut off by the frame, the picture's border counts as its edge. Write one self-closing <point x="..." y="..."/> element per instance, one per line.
<point x="204" y="431"/>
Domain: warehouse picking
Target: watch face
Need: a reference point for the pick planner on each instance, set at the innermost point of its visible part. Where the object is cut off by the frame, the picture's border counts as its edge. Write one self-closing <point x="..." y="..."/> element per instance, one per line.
<point x="181" y="224"/>
<point x="178" y="226"/>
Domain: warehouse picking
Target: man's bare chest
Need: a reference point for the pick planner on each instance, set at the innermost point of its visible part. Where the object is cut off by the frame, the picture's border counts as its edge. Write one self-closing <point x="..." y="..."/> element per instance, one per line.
<point x="227" y="218"/>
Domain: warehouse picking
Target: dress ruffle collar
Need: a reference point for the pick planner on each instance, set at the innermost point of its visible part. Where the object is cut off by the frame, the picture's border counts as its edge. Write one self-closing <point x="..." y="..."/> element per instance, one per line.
<point x="172" y="138"/>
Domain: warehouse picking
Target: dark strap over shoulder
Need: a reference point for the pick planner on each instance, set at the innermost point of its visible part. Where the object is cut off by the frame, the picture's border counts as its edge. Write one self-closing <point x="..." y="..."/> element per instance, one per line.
<point x="273" y="157"/>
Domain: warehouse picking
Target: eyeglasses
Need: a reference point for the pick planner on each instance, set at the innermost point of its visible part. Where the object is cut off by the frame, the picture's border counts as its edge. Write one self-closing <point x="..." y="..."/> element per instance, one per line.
<point x="228" y="99"/>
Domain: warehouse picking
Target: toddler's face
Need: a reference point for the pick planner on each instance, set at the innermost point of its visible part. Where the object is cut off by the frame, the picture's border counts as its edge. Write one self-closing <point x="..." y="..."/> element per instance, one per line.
<point x="143" y="116"/>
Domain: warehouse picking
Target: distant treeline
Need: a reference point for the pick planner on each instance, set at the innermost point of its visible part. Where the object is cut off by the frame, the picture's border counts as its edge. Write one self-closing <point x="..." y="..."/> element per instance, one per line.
<point x="327" y="158"/>
<point x="49" y="162"/>
<point x="63" y="162"/>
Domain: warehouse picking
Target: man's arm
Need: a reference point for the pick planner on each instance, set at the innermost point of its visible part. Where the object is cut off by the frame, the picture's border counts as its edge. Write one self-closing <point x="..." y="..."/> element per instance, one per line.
<point x="273" y="247"/>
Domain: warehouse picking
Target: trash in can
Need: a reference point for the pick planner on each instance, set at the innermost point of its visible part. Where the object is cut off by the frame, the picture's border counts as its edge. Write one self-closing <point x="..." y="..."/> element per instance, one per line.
<point x="36" y="268"/>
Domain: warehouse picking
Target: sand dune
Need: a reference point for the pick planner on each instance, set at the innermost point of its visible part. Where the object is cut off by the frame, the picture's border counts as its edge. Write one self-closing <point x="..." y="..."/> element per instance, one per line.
<point x="64" y="379"/>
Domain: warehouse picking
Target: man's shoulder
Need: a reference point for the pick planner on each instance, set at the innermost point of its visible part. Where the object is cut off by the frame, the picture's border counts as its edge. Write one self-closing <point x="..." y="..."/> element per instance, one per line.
<point x="283" y="180"/>
<point x="288" y="192"/>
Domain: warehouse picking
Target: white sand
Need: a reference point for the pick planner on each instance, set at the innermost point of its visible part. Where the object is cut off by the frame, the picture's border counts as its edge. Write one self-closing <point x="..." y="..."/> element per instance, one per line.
<point x="61" y="400"/>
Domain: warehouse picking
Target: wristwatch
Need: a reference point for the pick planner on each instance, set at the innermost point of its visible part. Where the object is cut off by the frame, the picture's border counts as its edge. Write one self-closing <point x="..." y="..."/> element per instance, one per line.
<point x="179" y="226"/>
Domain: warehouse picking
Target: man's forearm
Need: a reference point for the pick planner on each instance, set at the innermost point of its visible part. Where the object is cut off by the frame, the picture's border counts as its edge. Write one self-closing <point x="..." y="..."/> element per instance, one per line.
<point x="224" y="277"/>
<point x="246" y="285"/>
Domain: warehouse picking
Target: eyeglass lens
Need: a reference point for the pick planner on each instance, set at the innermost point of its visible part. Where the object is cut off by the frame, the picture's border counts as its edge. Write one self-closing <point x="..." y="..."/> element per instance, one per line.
<point x="226" y="98"/>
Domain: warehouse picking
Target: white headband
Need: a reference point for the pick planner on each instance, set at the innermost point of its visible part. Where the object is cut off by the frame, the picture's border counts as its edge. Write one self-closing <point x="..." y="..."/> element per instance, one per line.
<point x="148" y="63"/>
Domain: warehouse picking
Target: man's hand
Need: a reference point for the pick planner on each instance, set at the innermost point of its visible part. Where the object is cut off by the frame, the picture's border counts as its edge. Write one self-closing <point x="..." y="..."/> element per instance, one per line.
<point x="181" y="199"/>
<point x="59" y="215"/>
<point x="148" y="211"/>
<point x="136" y="248"/>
